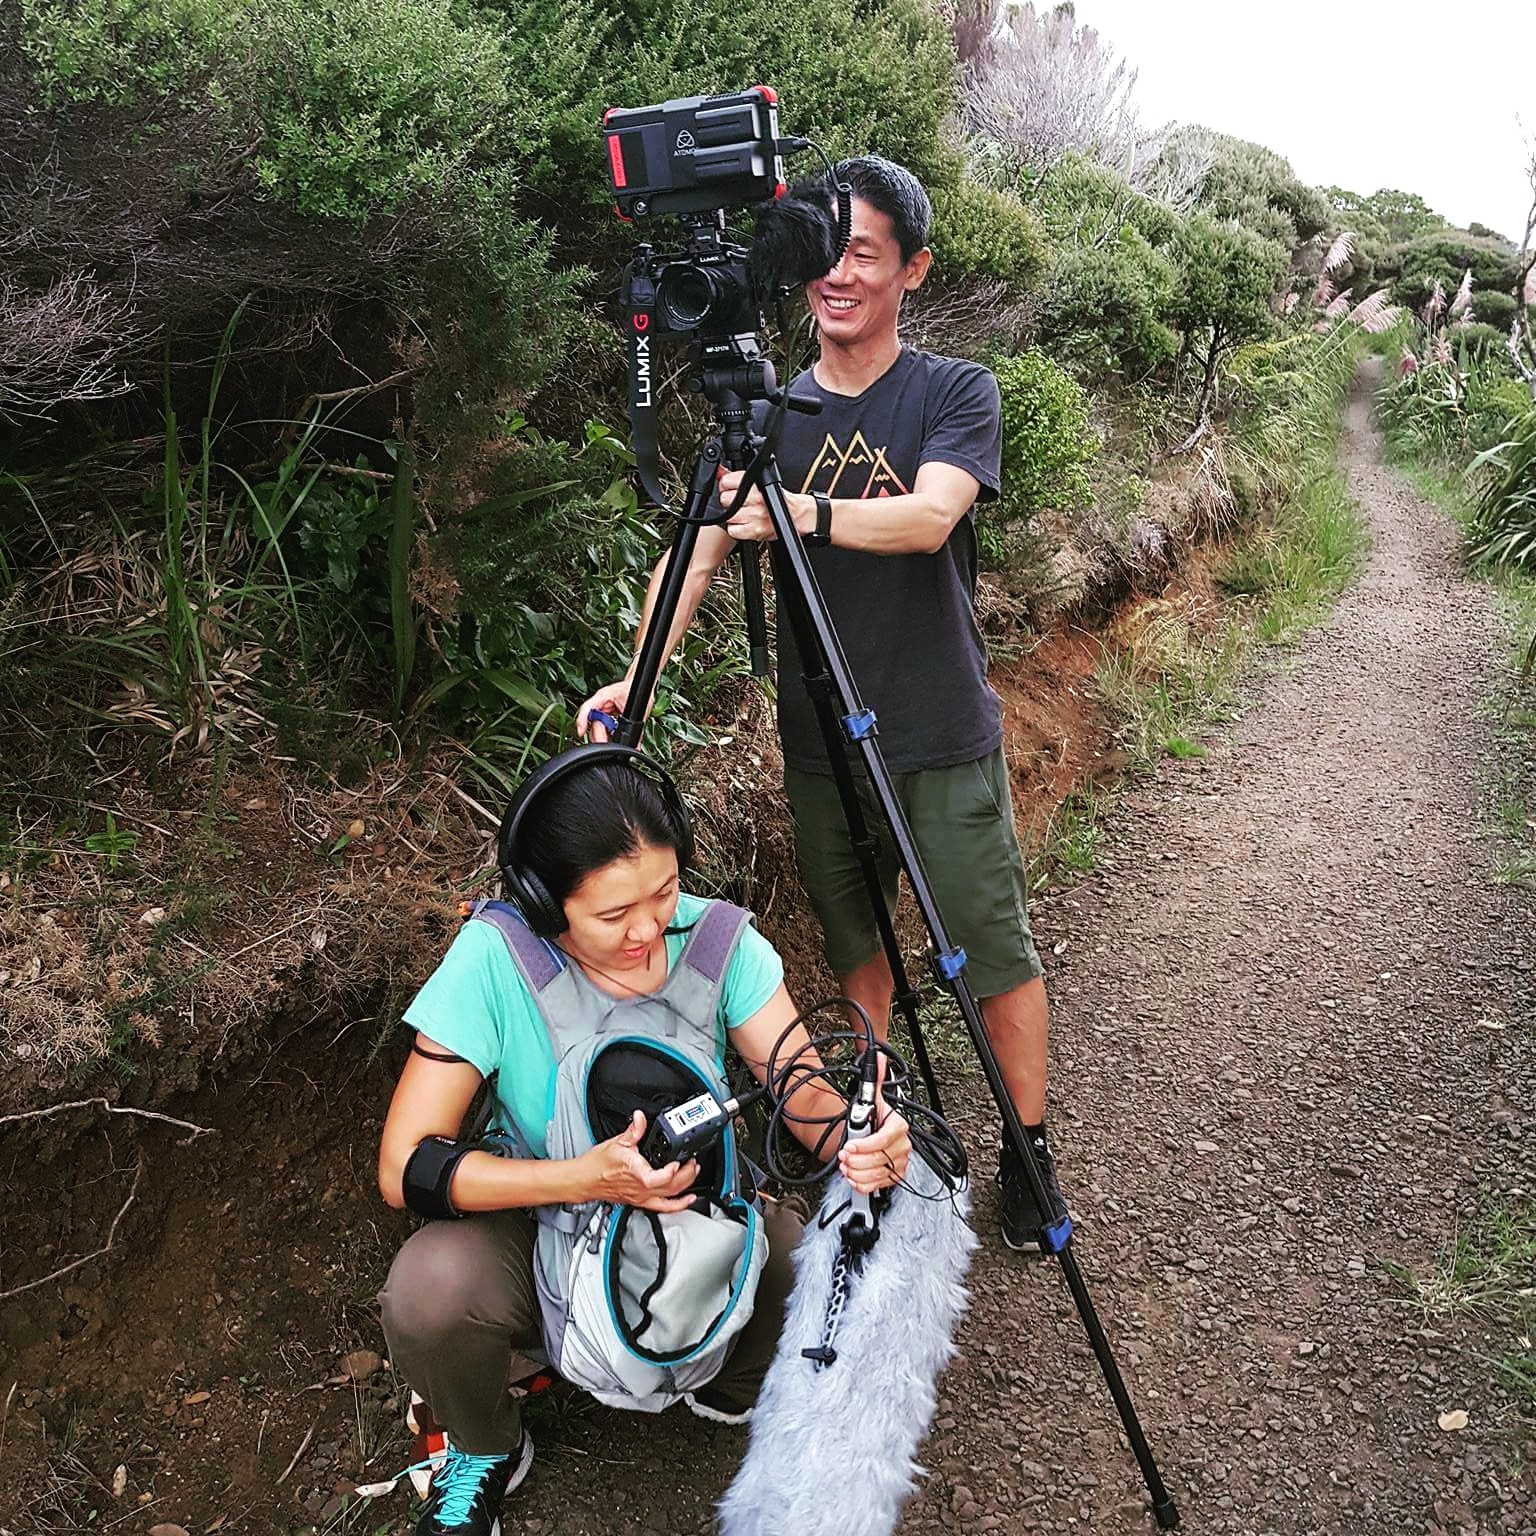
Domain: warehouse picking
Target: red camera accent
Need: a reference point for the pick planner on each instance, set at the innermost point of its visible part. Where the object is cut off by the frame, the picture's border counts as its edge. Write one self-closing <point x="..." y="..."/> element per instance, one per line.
<point x="608" y="112"/>
<point x="642" y="322"/>
<point x="621" y="216"/>
<point x="767" y="92"/>
<point x="780" y="190"/>
<point x="616" y="160"/>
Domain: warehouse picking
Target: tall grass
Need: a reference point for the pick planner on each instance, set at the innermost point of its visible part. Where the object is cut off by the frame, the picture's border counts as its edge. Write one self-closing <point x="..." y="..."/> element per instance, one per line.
<point x="1304" y="542"/>
<point x="1504" y="526"/>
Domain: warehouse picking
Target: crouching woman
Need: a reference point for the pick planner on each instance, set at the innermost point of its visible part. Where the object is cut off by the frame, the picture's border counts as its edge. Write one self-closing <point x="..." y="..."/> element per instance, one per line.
<point x="597" y="947"/>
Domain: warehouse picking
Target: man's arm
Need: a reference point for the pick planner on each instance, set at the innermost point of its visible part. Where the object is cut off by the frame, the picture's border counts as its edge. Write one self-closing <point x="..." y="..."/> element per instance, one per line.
<point x="709" y="554"/>
<point x="915" y="524"/>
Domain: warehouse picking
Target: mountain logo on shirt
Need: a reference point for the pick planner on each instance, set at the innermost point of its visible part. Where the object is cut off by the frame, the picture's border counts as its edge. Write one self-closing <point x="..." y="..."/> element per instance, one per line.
<point x="857" y="471"/>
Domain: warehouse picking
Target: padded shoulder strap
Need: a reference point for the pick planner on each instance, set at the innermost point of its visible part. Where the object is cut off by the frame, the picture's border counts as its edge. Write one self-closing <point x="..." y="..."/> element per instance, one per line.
<point x="714" y="938"/>
<point x="539" y="961"/>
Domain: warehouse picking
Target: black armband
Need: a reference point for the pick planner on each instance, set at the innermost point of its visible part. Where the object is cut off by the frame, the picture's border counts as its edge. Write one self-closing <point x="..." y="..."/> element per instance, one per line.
<point x="428" y="1174"/>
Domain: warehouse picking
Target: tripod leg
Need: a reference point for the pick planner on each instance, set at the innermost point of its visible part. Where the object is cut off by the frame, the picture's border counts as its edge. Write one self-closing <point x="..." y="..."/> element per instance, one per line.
<point x="652" y="654"/>
<point x="819" y="684"/>
<point x="817" y="637"/>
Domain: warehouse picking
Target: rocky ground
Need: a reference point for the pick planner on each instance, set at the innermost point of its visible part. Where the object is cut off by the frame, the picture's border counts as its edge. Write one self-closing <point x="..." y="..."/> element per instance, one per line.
<point x="1294" y="1059"/>
<point x="1295" y="1053"/>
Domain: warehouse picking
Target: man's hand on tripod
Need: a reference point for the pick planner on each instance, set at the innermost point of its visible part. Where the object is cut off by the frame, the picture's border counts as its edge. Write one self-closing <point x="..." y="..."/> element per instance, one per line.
<point x="751" y="522"/>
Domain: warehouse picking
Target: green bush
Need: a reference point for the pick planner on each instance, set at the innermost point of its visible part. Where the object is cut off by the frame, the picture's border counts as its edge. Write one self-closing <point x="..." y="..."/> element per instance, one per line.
<point x="1494" y="401"/>
<point x="1048" y="441"/>
<point x="1478" y="343"/>
<point x="1227" y="275"/>
<point x="1082" y="203"/>
<point x="859" y="76"/>
<point x="354" y="105"/>
<point x="1424" y="412"/>
<point x="1494" y="307"/>
<point x="981" y="233"/>
<point x="1258" y="188"/>
<point x="1504" y="527"/>
<point x="1442" y="256"/>
<point x="1107" y="305"/>
<point x="117" y="50"/>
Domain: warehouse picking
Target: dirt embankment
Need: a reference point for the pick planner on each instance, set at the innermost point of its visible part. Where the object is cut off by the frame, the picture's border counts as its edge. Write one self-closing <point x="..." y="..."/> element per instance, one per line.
<point x="1294" y="1046"/>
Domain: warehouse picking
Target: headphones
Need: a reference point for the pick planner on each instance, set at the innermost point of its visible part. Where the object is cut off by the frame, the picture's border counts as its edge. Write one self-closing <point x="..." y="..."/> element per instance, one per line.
<point x="544" y="915"/>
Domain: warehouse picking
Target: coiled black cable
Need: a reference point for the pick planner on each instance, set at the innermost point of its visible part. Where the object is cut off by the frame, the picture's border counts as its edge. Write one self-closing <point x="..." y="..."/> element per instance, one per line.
<point x="933" y="1138"/>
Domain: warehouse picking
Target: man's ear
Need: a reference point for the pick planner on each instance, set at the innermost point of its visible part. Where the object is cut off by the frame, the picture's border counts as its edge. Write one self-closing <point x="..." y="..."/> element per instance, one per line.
<point x="917" y="270"/>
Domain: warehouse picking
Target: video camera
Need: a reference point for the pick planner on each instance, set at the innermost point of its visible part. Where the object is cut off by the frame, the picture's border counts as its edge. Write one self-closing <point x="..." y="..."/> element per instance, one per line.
<point x="693" y="160"/>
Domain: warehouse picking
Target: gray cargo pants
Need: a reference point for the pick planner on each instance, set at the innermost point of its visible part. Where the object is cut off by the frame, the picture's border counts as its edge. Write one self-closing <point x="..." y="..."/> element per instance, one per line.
<point x="460" y="1301"/>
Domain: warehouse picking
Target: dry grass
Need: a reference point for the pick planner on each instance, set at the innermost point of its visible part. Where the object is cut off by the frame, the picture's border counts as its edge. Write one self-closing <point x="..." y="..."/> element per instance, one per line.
<point x="246" y="900"/>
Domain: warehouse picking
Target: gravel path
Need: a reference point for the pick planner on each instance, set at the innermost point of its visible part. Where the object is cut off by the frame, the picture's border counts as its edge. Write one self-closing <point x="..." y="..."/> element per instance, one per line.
<point x="1294" y="1044"/>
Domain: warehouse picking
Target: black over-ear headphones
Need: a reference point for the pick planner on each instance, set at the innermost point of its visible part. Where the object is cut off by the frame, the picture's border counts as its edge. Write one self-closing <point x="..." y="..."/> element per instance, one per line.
<point x="519" y="883"/>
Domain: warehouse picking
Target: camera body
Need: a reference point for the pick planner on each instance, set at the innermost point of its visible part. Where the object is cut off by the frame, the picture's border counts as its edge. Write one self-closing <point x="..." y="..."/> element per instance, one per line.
<point x="694" y="160"/>
<point x="696" y="154"/>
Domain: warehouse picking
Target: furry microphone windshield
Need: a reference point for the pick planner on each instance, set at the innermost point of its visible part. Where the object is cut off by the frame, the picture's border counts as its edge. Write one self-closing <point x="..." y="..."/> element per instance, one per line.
<point x="833" y="1447"/>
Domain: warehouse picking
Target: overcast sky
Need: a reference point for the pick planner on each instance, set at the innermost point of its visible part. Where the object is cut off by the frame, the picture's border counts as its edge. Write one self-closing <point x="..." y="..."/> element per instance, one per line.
<point x="1361" y="96"/>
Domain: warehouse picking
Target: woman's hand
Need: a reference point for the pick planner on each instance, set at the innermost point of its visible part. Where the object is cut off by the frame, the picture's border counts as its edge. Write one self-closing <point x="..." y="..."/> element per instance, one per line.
<point x="614" y="1170"/>
<point x="879" y="1160"/>
<point x="612" y="700"/>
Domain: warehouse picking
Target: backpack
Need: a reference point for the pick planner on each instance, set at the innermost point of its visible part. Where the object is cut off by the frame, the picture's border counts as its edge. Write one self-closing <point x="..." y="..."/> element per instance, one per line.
<point x="639" y="1307"/>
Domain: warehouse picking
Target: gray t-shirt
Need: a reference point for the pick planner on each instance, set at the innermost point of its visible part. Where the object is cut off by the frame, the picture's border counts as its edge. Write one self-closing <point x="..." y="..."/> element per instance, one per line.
<point x="907" y="622"/>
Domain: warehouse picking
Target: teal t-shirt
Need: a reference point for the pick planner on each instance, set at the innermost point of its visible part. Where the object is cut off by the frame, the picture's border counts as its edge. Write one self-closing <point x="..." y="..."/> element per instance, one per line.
<point x="477" y="1005"/>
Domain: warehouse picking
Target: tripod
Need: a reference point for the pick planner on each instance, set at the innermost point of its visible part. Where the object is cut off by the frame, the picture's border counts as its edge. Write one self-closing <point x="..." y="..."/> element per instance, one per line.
<point x="732" y="373"/>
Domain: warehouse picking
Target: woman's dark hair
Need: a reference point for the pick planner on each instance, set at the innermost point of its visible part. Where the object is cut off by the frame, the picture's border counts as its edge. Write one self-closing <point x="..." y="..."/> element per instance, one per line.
<point x="587" y="820"/>
<point x="896" y="192"/>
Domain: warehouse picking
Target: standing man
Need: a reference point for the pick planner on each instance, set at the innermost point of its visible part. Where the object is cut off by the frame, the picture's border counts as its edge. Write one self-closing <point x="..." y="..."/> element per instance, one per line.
<point x="882" y="484"/>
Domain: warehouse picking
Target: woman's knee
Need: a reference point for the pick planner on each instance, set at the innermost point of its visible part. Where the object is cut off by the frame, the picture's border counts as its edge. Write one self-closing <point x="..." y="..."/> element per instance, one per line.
<point x="446" y="1275"/>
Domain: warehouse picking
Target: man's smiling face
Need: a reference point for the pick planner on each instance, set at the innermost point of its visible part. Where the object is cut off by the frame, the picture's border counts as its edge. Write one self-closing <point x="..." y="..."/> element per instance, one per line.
<point x="859" y="299"/>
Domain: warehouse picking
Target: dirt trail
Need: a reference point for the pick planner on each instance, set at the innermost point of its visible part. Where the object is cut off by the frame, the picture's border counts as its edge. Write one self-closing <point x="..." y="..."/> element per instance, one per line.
<point x="1273" y="1076"/>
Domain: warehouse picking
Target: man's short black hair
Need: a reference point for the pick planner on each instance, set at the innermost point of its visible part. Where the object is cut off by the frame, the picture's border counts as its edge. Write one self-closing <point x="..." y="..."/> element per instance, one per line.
<point x="896" y="192"/>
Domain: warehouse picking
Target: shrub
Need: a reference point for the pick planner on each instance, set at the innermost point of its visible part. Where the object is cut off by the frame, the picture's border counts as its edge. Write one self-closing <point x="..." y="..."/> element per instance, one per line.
<point x="1107" y="305"/>
<point x="1475" y="342"/>
<point x="1442" y="256"/>
<point x="1494" y="307"/>
<point x="1504" y="526"/>
<point x="1227" y="277"/>
<point x="1081" y="202"/>
<point x="114" y="51"/>
<point x="981" y="233"/>
<point x="1258" y="188"/>
<point x="1424" y="412"/>
<point x="859" y="76"/>
<point x="1494" y="401"/>
<point x="1048" y="441"/>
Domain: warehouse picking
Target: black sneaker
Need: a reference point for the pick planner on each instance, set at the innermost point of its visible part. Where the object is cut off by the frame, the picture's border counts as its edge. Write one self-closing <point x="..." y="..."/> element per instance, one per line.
<point x="466" y="1492"/>
<point x="1018" y="1215"/>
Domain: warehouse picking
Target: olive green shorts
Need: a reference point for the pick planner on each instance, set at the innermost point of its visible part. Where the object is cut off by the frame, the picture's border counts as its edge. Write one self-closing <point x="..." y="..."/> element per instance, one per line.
<point x="962" y="822"/>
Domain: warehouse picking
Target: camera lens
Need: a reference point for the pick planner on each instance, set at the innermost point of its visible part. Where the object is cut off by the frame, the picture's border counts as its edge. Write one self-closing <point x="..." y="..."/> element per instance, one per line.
<point x="693" y="296"/>
<point x="687" y="295"/>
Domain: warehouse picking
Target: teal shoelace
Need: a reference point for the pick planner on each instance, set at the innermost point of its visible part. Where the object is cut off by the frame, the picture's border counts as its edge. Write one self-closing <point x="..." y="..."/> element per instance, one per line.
<point x="458" y="1480"/>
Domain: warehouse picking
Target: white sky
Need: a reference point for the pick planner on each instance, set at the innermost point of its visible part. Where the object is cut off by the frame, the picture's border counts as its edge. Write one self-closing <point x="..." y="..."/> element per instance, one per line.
<point x="1378" y="93"/>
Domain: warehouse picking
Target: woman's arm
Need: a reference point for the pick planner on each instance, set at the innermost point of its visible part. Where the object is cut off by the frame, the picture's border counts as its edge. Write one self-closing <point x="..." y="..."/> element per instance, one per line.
<point x="431" y="1099"/>
<point x="873" y="1162"/>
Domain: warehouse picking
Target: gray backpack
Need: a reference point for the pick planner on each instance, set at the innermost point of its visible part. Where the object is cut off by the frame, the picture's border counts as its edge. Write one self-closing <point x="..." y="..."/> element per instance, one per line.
<point x="639" y="1307"/>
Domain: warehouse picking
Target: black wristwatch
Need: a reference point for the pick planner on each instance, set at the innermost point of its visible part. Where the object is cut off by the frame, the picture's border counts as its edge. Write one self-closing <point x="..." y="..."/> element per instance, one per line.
<point x="822" y="533"/>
